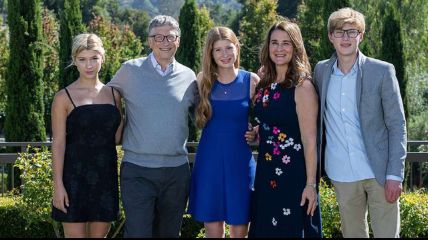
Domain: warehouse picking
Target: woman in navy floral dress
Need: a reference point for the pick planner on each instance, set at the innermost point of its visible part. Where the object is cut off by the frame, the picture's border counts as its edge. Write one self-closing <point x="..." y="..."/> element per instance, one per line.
<point x="286" y="108"/>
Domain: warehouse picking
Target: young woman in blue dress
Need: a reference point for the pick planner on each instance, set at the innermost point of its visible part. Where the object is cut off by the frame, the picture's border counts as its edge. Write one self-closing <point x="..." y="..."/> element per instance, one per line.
<point x="224" y="167"/>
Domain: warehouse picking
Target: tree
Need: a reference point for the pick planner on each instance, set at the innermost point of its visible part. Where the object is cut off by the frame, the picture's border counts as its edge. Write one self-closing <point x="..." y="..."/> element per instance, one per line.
<point x="4" y="58"/>
<point x="3" y="4"/>
<point x="190" y="51"/>
<point x="205" y="23"/>
<point x="51" y="63"/>
<point x="24" y="87"/>
<point x="258" y="17"/>
<point x="329" y="6"/>
<point x="70" y="26"/>
<point x="120" y="44"/>
<point x="24" y="108"/>
<point x="195" y="23"/>
<point x="392" y="48"/>
<point x="287" y="8"/>
<point x="312" y="27"/>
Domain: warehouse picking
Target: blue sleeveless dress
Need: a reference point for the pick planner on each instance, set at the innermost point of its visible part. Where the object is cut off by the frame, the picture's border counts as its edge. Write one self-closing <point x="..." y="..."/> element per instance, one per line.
<point x="224" y="166"/>
<point x="281" y="170"/>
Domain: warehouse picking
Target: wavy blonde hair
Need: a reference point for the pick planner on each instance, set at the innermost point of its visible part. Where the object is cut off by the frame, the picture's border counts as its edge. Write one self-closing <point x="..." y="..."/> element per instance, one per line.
<point x="298" y="68"/>
<point x="209" y="71"/>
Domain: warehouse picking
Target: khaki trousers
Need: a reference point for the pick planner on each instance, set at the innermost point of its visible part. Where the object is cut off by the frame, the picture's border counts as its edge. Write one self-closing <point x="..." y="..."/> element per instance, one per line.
<point x="355" y="198"/>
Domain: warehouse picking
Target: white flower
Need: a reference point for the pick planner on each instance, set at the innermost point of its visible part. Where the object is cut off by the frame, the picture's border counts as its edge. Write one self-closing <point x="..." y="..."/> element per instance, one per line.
<point x="278" y="171"/>
<point x="289" y="142"/>
<point x="297" y="147"/>
<point x="269" y="141"/>
<point x="257" y="120"/>
<point x="273" y="86"/>
<point x="265" y="98"/>
<point x="286" y="211"/>
<point x="274" y="222"/>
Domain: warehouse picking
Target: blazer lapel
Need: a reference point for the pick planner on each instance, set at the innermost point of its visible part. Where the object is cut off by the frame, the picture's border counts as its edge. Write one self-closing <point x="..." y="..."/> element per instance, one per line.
<point x="325" y="80"/>
<point x="360" y="75"/>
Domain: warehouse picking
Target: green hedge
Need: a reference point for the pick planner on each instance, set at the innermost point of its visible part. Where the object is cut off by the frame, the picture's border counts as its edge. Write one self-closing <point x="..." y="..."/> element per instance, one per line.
<point x="14" y="225"/>
<point x="413" y="206"/>
<point x="29" y="214"/>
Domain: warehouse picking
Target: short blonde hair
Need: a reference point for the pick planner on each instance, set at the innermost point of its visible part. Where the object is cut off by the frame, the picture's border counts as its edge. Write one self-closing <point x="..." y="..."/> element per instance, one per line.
<point x="86" y="41"/>
<point x="346" y="15"/>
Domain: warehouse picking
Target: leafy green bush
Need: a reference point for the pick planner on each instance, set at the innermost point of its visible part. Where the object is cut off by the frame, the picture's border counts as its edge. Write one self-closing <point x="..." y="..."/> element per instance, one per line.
<point x="37" y="187"/>
<point x="413" y="210"/>
<point x="414" y="214"/>
<point x="329" y="212"/>
<point x="190" y="228"/>
<point x="13" y="223"/>
<point x="28" y="214"/>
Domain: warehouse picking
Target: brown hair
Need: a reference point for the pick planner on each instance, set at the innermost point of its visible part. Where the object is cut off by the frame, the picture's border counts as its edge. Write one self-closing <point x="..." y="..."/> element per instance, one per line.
<point x="209" y="71"/>
<point x="299" y="67"/>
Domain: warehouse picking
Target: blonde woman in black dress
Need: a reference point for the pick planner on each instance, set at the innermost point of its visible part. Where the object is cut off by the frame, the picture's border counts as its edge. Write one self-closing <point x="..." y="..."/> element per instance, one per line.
<point x="86" y="125"/>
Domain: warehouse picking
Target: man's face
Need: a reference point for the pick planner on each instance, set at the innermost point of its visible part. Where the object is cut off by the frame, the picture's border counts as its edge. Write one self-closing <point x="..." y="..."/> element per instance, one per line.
<point x="164" y="42"/>
<point x="346" y="39"/>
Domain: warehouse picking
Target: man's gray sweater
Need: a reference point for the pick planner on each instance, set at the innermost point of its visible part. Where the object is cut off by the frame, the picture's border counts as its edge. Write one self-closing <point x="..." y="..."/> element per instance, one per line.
<point x="157" y="109"/>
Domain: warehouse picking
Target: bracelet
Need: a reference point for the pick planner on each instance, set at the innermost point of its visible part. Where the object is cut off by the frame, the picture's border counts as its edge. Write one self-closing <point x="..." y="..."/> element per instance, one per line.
<point x="314" y="185"/>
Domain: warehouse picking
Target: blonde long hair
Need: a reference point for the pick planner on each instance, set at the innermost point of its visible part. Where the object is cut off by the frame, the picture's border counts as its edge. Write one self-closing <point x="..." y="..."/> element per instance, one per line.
<point x="299" y="67"/>
<point x="209" y="71"/>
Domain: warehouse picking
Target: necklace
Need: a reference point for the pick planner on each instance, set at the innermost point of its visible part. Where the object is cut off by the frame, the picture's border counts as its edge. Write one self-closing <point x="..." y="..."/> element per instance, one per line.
<point x="224" y="89"/>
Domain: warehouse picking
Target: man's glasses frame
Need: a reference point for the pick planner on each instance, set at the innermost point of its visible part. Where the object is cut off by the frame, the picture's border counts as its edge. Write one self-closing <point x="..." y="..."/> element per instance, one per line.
<point x="351" y="33"/>
<point x="161" y="38"/>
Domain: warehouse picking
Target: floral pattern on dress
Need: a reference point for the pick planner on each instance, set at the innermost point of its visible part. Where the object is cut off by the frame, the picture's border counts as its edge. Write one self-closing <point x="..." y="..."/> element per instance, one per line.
<point x="279" y="141"/>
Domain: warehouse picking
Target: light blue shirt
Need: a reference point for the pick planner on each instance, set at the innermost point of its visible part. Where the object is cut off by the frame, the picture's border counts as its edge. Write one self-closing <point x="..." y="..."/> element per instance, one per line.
<point x="346" y="156"/>
<point x="158" y="67"/>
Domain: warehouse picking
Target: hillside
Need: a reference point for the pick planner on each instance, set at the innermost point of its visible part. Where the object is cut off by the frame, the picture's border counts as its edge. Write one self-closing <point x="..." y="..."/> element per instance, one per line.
<point x="172" y="7"/>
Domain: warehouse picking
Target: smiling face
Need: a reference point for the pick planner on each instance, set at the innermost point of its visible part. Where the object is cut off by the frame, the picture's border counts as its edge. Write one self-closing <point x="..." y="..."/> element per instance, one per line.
<point x="88" y="63"/>
<point x="224" y="53"/>
<point x="280" y="48"/>
<point x="346" y="46"/>
<point x="164" y="51"/>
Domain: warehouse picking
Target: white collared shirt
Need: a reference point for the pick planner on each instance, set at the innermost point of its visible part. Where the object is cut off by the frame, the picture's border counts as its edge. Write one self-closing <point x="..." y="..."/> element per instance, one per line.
<point x="158" y="67"/>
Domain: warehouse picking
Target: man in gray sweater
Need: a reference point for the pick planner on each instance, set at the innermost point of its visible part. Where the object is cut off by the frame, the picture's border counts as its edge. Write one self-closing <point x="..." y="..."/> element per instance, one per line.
<point x="158" y="93"/>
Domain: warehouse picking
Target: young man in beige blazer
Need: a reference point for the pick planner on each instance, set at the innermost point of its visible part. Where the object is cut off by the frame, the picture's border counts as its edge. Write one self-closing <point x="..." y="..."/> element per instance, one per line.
<point x="362" y="130"/>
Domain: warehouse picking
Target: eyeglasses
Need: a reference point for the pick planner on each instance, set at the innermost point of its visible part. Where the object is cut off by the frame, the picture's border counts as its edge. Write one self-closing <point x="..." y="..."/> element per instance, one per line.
<point x="352" y="33"/>
<point x="161" y="38"/>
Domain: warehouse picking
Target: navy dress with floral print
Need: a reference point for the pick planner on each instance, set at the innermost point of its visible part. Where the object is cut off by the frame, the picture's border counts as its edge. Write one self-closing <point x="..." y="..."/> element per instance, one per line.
<point x="281" y="172"/>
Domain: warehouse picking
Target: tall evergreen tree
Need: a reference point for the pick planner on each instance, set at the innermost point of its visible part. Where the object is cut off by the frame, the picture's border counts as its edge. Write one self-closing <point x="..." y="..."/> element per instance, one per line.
<point x="70" y="26"/>
<point x="24" y="108"/>
<point x="189" y="52"/>
<point x="195" y="24"/>
<point x="259" y="15"/>
<point x="329" y="6"/>
<point x="4" y="59"/>
<point x="312" y="27"/>
<point x="24" y="86"/>
<point x="287" y="8"/>
<point x="392" y="48"/>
